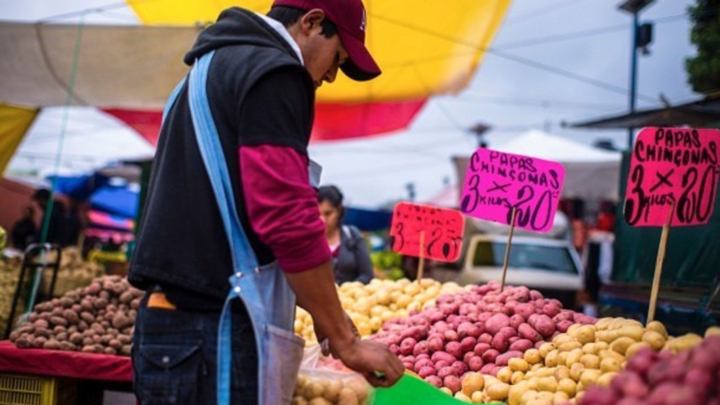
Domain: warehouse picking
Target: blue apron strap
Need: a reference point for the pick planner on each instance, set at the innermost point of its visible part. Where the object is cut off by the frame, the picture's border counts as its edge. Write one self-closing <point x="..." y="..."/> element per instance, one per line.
<point x="243" y="257"/>
<point x="173" y="96"/>
<point x="216" y="166"/>
<point x="224" y="355"/>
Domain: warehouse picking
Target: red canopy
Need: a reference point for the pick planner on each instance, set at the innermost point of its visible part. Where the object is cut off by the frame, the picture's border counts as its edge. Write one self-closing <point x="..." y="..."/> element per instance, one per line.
<point x="333" y="121"/>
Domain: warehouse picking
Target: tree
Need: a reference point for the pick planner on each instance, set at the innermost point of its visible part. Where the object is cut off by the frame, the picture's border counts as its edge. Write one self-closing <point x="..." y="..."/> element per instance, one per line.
<point x="704" y="68"/>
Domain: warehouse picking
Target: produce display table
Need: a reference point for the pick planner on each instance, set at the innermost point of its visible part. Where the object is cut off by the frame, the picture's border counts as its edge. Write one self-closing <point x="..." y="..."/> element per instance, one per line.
<point x="92" y="366"/>
<point x="57" y="363"/>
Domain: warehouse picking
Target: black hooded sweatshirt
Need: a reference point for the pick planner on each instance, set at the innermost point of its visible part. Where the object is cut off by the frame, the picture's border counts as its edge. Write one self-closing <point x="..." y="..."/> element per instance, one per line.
<point x="181" y="243"/>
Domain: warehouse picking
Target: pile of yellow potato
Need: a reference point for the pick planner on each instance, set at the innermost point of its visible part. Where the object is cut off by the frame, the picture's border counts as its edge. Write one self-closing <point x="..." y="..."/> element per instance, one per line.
<point x="73" y="273"/>
<point x="562" y="369"/>
<point x="9" y="273"/>
<point x="688" y="341"/>
<point x="369" y="306"/>
<point x="472" y="388"/>
<point x="317" y="390"/>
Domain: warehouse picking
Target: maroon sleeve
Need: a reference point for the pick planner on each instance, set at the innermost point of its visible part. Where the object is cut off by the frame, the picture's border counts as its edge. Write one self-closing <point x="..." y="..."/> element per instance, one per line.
<point x="282" y="206"/>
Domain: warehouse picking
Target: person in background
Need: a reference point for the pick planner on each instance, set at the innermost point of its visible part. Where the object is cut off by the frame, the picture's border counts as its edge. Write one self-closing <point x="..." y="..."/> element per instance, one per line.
<point x="606" y="217"/>
<point x="24" y="229"/>
<point x="350" y="255"/>
<point x="57" y="217"/>
<point x="579" y="234"/>
<point x="73" y="224"/>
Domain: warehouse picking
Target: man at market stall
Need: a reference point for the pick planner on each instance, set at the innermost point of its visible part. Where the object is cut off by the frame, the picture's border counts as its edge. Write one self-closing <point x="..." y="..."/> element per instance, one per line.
<point x="24" y="229"/>
<point x="53" y="221"/>
<point x="262" y="73"/>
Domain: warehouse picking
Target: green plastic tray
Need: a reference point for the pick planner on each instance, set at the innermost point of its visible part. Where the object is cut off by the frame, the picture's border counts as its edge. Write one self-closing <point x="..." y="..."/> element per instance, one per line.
<point x="413" y="391"/>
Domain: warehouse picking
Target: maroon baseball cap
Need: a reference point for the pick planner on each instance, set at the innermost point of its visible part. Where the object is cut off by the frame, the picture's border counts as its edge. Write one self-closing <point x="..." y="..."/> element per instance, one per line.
<point x="350" y="18"/>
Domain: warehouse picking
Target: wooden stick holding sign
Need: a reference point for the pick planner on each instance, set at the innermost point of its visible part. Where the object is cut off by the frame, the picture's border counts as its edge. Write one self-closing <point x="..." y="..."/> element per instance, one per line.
<point x="507" y="250"/>
<point x="421" y="255"/>
<point x="429" y="232"/>
<point x="675" y="167"/>
<point x="515" y="190"/>
<point x="659" y="264"/>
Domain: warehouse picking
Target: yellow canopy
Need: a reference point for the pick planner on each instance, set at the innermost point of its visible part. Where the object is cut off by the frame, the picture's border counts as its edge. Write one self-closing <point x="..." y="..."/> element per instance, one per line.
<point x="423" y="47"/>
<point x="14" y="122"/>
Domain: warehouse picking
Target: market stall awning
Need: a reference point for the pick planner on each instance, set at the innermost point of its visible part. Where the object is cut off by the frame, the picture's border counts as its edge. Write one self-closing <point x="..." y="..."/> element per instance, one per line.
<point x="333" y="121"/>
<point x="118" y="66"/>
<point x="14" y="122"/>
<point x="700" y="113"/>
<point x="423" y="47"/>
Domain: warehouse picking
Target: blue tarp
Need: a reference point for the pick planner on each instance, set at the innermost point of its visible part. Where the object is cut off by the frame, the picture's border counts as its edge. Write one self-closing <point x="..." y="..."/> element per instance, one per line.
<point x="79" y="187"/>
<point x="118" y="201"/>
<point x="368" y="220"/>
<point x="124" y="202"/>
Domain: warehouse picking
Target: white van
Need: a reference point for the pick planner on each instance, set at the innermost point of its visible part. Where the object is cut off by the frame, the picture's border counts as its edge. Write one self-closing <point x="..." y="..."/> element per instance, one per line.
<point x="551" y="266"/>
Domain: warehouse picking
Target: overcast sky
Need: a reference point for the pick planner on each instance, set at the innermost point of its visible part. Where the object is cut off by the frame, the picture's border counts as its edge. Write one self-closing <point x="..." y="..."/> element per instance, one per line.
<point x="563" y="45"/>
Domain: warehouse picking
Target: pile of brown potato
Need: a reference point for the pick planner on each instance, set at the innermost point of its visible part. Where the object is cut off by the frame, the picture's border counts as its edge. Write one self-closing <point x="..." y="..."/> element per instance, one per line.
<point x="98" y="318"/>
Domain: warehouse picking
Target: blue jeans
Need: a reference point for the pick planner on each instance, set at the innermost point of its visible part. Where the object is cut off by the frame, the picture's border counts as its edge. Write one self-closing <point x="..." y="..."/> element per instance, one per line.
<point x="175" y="357"/>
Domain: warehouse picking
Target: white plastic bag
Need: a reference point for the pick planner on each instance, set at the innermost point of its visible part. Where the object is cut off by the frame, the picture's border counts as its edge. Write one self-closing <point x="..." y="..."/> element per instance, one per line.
<point x="326" y="381"/>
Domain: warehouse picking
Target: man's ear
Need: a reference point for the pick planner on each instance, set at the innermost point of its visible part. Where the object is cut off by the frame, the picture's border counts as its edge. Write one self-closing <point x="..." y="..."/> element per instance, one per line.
<point x="311" y="20"/>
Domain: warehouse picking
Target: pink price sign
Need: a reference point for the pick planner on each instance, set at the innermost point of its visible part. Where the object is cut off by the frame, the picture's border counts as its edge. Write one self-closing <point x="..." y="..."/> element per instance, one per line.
<point x="672" y="167"/>
<point x="438" y="230"/>
<point x="496" y="182"/>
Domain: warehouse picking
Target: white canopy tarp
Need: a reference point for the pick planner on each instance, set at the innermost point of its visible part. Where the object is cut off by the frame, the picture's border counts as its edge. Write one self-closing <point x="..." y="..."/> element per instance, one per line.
<point x="118" y="66"/>
<point x="590" y="173"/>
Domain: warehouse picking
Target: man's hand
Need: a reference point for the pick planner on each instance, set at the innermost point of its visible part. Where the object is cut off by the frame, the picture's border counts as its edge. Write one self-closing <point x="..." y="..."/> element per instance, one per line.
<point x="373" y="360"/>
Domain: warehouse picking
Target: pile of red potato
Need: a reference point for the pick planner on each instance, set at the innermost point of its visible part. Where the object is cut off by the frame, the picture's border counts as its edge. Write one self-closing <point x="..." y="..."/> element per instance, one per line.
<point x="478" y="330"/>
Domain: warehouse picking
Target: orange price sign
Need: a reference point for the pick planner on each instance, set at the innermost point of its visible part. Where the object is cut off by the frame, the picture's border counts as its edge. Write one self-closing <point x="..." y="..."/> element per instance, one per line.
<point x="426" y="231"/>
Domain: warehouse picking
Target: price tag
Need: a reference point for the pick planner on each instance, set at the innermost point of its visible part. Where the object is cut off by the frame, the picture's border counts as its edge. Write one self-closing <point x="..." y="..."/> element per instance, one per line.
<point x="439" y="231"/>
<point x="669" y="165"/>
<point x="497" y="182"/>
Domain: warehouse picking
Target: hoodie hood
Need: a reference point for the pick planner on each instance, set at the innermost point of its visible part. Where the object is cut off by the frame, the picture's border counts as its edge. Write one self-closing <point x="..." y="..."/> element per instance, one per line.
<point x="236" y="26"/>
